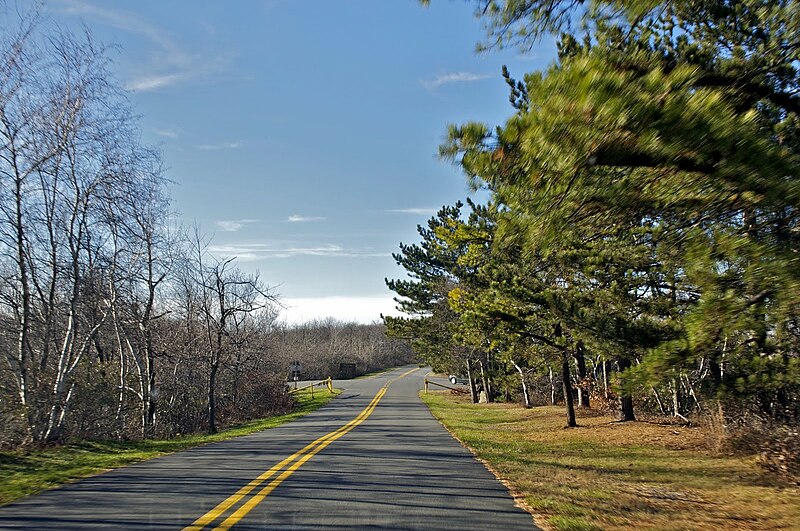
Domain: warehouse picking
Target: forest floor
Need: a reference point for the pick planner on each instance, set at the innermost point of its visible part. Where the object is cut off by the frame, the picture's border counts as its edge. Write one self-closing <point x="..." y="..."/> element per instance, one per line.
<point x="25" y="472"/>
<point x="611" y="475"/>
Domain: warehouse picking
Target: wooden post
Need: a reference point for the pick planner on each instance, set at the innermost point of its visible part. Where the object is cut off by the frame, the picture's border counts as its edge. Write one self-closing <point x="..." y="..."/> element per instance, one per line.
<point x="426" y="386"/>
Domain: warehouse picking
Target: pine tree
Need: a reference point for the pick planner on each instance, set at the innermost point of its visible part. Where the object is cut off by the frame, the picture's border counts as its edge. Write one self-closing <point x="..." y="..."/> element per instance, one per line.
<point x="656" y="163"/>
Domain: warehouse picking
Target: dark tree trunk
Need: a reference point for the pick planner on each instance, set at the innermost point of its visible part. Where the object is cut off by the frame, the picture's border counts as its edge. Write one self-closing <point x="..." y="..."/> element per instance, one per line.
<point x="473" y="391"/>
<point x="626" y="408"/>
<point x="151" y="394"/>
<point x="715" y="369"/>
<point x="580" y="362"/>
<point x="625" y="399"/>
<point x="567" y="385"/>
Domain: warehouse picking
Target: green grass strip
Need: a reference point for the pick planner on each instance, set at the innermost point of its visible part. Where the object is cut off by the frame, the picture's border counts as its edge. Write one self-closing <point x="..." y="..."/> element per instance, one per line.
<point x="23" y="473"/>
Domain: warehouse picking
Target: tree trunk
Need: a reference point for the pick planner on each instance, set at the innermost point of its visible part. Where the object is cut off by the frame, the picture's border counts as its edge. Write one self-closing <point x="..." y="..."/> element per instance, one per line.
<point x="676" y="411"/>
<point x="485" y="381"/>
<point x="658" y="400"/>
<point x="567" y="386"/>
<point x="22" y="353"/>
<point x="151" y="392"/>
<point x="626" y="408"/>
<point x="552" y="385"/>
<point x="473" y="391"/>
<point x="625" y="399"/>
<point x="690" y="390"/>
<point x="524" y="385"/>
<point x="580" y="362"/>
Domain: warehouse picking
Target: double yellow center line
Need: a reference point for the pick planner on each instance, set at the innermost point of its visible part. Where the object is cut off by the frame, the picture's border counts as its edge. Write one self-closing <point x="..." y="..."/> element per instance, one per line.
<point x="291" y="464"/>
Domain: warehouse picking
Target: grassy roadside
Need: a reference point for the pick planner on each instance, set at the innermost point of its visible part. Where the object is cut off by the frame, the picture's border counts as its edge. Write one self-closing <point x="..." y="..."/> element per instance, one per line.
<point x="610" y="475"/>
<point x="26" y="473"/>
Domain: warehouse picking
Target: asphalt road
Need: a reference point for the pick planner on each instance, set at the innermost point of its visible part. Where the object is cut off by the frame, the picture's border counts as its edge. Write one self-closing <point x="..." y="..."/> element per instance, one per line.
<point x="373" y="458"/>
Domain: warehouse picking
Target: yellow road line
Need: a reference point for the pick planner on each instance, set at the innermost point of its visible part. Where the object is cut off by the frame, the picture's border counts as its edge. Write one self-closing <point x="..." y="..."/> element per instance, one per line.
<point x="257" y="498"/>
<point x="402" y="376"/>
<point x="223" y="506"/>
<point x="299" y="458"/>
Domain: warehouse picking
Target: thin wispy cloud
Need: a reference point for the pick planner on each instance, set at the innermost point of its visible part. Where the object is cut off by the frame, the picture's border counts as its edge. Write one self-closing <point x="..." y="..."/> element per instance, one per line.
<point x="452" y="77"/>
<point x="251" y="252"/>
<point x="169" y="133"/>
<point x="414" y="211"/>
<point x="155" y="81"/>
<point x="170" y="63"/>
<point x="296" y="218"/>
<point x="223" y="145"/>
<point x="234" y="225"/>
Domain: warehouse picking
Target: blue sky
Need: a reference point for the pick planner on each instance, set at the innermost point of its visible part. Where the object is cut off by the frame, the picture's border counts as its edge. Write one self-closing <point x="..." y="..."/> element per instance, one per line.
<point x="302" y="134"/>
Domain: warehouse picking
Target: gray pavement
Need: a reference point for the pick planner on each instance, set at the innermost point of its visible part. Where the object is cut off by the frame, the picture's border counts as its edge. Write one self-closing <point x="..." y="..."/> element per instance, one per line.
<point x="399" y="469"/>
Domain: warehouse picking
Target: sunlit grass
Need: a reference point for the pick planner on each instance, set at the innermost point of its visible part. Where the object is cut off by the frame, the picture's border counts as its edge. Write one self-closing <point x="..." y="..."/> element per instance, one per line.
<point x="610" y="475"/>
<point x="25" y="473"/>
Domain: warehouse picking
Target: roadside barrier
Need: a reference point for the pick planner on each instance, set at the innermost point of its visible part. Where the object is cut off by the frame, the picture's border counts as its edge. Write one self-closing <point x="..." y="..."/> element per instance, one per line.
<point x="327" y="382"/>
<point x="428" y="382"/>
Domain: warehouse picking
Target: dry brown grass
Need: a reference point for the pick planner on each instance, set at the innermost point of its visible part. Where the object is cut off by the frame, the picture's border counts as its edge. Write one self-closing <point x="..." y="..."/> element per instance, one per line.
<point x="611" y="475"/>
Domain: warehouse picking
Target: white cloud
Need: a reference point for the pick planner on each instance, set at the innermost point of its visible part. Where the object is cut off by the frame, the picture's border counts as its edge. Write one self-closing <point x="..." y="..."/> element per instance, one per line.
<point x="233" y="225"/>
<point x="251" y="252"/>
<point x="223" y="145"/>
<point x="452" y="77"/>
<point x="169" y="65"/>
<point x="319" y="250"/>
<point x="169" y="133"/>
<point x="415" y="211"/>
<point x="359" y="309"/>
<point x="155" y="81"/>
<point x="295" y="218"/>
<point x="243" y="253"/>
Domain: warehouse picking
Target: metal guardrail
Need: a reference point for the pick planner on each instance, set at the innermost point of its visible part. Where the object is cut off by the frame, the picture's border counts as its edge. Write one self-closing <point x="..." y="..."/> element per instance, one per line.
<point x="327" y="382"/>
<point x="428" y="382"/>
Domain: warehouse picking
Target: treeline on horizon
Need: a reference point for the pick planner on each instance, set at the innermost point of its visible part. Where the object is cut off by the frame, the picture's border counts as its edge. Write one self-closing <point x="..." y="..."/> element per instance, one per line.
<point x="114" y="323"/>
<point x="640" y="241"/>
